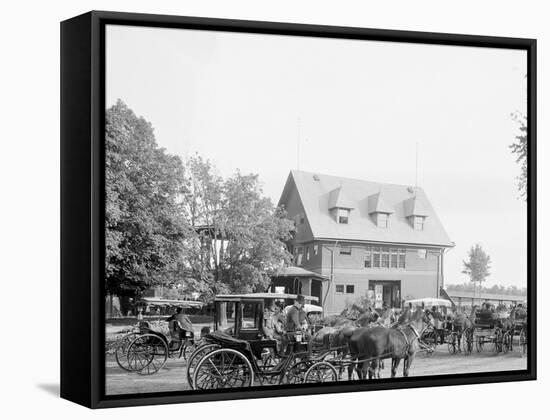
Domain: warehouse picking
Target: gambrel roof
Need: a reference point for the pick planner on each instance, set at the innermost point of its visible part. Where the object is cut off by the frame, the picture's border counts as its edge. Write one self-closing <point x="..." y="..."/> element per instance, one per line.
<point x="317" y="195"/>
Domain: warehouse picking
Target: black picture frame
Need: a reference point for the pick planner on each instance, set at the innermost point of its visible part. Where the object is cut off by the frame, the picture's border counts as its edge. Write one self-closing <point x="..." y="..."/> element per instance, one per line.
<point x="82" y="204"/>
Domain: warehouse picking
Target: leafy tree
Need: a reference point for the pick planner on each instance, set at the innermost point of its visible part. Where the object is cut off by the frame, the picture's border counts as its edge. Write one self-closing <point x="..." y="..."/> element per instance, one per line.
<point x="238" y="234"/>
<point x="144" y="229"/>
<point x="519" y="148"/>
<point x="478" y="265"/>
<point x="173" y="224"/>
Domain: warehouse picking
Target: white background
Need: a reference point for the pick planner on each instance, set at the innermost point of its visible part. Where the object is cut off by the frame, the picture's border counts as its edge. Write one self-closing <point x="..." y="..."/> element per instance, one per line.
<point x="29" y="176"/>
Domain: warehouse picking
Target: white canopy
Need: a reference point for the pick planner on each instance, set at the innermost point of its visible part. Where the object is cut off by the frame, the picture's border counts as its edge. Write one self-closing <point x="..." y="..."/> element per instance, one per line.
<point x="429" y="302"/>
<point x="308" y="308"/>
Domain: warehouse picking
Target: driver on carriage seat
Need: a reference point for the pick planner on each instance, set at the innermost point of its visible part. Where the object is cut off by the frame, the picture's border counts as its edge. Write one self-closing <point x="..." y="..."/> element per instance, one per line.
<point x="296" y="323"/>
<point x="179" y="326"/>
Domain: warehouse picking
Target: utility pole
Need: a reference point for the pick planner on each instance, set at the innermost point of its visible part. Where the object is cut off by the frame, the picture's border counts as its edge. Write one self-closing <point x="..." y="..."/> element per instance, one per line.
<point x="298" y="143"/>
<point x="416" y="170"/>
<point x="331" y="249"/>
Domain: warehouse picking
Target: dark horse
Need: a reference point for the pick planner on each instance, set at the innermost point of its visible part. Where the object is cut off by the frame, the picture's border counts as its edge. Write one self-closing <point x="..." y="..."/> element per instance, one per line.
<point x="371" y="345"/>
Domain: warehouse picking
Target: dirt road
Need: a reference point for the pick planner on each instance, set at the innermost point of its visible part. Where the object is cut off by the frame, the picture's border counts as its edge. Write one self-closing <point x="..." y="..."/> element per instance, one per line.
<point x="172" y="376"/>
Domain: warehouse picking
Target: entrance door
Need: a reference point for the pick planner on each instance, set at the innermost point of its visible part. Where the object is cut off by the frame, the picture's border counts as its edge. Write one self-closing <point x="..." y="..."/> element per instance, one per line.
<point x="316" y="290"/>
<point x="387" y="291"/>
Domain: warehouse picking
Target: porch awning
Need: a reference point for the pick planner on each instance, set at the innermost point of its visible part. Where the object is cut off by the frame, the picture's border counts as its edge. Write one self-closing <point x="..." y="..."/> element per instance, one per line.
<point x="299" y="272"/>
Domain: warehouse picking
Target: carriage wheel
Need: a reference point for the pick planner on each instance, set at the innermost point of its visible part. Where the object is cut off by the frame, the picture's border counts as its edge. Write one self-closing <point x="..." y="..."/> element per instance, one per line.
<point x="523" y="342"/>
<point x="187" y="350"/>
<point x="269" y="361"/>
<point x="121" y="350"/>
<point x="480" y="343"/>
<point x="321" y="372"/>
<point x="429" y="343"/>
<point x="498" y="340"/>
<point x="223" y="368"/>
<point x="147" y="354"/>
<point x="429" y="350"/>
<point x="452" y="344"/>
<point x="468" y="342"/>
<point x="296" y="373"/>
<point x="195" y="357"/>
<point x="506" y="342"/>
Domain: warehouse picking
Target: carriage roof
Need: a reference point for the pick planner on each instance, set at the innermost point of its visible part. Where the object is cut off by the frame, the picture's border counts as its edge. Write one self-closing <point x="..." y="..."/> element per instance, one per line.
<point x="261" y="296"/>
<point x="172" y="302"/>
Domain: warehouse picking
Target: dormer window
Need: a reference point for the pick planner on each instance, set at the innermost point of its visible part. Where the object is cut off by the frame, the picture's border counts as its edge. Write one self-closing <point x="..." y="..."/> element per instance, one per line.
<point x="340" y="205"/>
<point x="416" y="212"/>
<point x="379" y="209"/>
<point x="342" y="216"/>
<point x="418" y="222"/>
<point x="382" y="220"/>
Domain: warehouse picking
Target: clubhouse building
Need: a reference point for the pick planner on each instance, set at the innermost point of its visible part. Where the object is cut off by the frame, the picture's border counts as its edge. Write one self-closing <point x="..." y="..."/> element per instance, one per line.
<point x="358" y="238"/>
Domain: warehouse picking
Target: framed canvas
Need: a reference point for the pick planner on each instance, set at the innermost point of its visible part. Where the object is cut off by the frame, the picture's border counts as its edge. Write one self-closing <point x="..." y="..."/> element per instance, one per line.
<point x="258" y="209"/>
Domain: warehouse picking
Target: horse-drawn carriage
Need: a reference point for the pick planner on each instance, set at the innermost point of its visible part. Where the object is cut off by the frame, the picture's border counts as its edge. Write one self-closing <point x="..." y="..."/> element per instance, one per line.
<point x="146" y="349"/>
<point x="497" y="330"/>
<point x="515" y="325"/>
<point x="238" y="353"/>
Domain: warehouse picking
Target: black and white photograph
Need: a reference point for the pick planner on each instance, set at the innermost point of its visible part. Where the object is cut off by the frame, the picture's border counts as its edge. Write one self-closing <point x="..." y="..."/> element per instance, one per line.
<point x="286" y="210"/>
<point x="298" y="210"/>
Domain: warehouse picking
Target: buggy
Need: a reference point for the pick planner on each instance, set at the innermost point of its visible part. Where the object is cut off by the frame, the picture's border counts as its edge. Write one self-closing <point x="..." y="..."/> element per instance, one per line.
<point x="238" y="353"/>
<point x="145" y="350"/>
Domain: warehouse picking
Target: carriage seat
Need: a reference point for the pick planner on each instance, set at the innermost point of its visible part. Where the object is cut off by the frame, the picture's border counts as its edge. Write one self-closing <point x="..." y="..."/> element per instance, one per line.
<point x="226" y="340"/>
<point x="486" y="319"/>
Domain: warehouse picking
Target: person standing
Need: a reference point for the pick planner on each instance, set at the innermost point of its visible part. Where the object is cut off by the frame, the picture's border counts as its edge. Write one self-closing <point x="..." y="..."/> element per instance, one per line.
<point x="295" y="321"/>
<point x="295" y="315"/>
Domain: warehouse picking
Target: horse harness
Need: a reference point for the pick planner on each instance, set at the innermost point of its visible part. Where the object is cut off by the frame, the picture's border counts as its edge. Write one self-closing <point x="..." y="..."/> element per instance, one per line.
<point x="415" y="332"/>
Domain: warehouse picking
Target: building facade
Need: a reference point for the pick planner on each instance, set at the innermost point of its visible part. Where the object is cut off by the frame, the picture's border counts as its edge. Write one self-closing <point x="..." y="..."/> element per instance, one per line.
<point x="365" y="239"/>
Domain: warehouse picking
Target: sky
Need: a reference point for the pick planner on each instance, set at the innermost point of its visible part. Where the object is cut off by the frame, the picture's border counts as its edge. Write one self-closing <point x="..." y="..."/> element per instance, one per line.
<point x="388" y="112"/>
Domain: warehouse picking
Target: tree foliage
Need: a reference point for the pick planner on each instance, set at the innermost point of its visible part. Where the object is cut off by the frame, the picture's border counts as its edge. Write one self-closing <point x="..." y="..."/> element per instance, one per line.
<point x="496" y="289"/>
<point x="478" y="264"/>
<point x="238" y="234"/>
<point x="519" y="148"/>
<point x="181" y="224"/>
<point x="143" y="224"/>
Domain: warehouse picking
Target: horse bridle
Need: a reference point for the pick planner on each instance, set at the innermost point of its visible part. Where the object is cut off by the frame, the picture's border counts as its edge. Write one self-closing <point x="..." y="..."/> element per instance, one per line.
<point x="415" y="332"/>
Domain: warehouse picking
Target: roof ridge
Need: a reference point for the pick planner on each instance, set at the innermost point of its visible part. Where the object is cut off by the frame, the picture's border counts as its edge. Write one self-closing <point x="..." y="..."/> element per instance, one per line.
<point x="390" y="184"/>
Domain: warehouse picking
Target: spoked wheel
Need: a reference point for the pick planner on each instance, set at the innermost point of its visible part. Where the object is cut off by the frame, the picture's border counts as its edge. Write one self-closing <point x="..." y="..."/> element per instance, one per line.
<point x="498" y="341"/>
<point x="223" y="368"/>
<point x="452" y="344"/>
<point x="468" y="342"/>
<point x="428" y="343"/>
<point x="270" y="367"/>
<point x="506" y="342"/>
<point x="187" y="350"/>
<point x="480" y="344"/>
<point x="296" y="373"/>
<point x="321" y="372"/>
<point x="194" y="359"/>
<point x="269" y="361"/>
<point x="121" y="350"/>
<point x="523" y="342"/>
<point x="147" y="354"/>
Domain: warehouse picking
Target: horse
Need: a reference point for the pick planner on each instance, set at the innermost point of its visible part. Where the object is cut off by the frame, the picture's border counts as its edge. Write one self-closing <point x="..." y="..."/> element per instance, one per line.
<point x="464" y="324"/>
<point x="339" y="329"/>
<point x="375" y="344"/>
<point x="337" y="333"/>
<point x="509" y="324"/>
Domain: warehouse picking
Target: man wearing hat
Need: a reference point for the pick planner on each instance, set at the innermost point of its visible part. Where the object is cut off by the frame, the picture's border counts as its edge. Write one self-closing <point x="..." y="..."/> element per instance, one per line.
<point x="294" y="323"/>
<point x="295" y="315"/>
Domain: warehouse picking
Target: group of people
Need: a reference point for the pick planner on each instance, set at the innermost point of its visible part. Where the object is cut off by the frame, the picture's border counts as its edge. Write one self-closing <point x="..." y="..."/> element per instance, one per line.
<point x="286" y="325"/>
